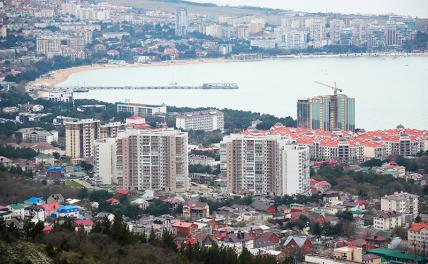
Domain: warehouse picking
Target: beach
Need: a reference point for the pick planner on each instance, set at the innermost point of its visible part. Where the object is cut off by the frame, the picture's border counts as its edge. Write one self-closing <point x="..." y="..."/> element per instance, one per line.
<point x="57" y="77"/>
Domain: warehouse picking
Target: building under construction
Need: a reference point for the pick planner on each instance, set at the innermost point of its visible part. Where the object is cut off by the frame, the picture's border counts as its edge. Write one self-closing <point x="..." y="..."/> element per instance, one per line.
<point x="327" y="112"/>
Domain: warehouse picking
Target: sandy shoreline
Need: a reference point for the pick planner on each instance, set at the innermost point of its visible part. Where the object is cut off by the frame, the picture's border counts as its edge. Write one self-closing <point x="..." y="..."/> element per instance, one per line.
<point x="55" y="78"/>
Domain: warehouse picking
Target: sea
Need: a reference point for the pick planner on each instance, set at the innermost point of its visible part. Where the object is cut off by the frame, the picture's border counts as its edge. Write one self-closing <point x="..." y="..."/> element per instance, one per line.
<point x="388" y="90"/>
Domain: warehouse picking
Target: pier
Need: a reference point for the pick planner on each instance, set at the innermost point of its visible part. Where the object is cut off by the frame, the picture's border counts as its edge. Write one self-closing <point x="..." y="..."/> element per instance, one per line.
<point x="205" y="86"/>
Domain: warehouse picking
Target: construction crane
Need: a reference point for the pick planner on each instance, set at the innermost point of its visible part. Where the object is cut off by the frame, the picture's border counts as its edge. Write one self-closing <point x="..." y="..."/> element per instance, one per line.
<point x="332" y="87"/>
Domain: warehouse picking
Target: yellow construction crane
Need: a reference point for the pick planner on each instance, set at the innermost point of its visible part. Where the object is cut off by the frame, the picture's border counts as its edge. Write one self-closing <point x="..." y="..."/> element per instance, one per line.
<point x="332" y="87"/>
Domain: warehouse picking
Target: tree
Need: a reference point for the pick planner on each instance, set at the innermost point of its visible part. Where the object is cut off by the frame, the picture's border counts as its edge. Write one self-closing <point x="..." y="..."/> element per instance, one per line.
<point x="400" y="232"/>
<point x="143" y="237"/>
<point x="245" y="257"/>
<point x="152" y="237"/>
<point x="418" y="219"/>
<point x="346" y="215"/>
<point x="316" y="229"/>
<point x="168" y="239"/>
<point x="56" y="155"/>
<point x="31" y="230"/>
<point x="99" y="196"/>
<point x="158" y="208"/>
<point x="120" y="231"/>
<point x="83" y="193"/>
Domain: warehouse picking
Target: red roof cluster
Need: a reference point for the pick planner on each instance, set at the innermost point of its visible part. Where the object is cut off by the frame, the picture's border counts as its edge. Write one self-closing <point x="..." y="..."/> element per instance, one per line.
<point x="306" y="136"/>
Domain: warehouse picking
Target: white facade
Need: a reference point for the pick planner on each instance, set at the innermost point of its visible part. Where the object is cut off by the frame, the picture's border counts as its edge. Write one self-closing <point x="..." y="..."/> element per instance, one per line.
<point x="57" y="96"/>
<point x="295" y="170"/>
<point x="209" y="120"/>
<point x="105" y="160"/>
<point x="404" y="203"/>
<point x="418" y="236"/>
<point x="387" y="221"/>
<point x="141" y="109"/>
<point x="181" y="22"/>
<point x="263" y="42"/>
<point x="264" y="165"/>
<point x="37" y="134"/>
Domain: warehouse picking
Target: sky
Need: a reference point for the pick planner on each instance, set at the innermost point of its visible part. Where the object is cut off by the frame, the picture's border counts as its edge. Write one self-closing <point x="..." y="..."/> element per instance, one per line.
<point x="401" y="7"/>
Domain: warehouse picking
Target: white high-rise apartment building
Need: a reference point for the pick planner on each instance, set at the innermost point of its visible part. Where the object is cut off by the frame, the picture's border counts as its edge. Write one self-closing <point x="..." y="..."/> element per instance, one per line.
<point x="264" y="164"/>
<point x="181" y="22"/>
<point x="105" y="160"/>
<point x="80" y="136"/>
<point x="209" y="120"/>
<point x="153" y="160"/>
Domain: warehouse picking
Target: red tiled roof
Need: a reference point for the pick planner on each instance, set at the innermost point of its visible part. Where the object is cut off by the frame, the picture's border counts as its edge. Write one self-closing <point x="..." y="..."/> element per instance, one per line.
<point x="307" y="136"/>
<point x="83" y="222"/>
<point x="182" y="224"/>
<point x="417" y="227"/>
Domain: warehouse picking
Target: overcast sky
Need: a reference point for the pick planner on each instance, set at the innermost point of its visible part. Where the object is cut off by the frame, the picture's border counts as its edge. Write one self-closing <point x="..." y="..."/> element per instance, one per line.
<point x="402" y="7"/>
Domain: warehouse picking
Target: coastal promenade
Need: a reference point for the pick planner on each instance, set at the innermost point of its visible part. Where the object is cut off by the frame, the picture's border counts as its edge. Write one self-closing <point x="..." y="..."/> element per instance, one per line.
<point x="205" y="86"/>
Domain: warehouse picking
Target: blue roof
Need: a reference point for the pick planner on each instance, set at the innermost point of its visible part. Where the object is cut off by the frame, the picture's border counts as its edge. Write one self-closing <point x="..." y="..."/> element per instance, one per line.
<point x="55" y="169"/>
<point x="34" y="200"/>
<point x="68" y="208"/>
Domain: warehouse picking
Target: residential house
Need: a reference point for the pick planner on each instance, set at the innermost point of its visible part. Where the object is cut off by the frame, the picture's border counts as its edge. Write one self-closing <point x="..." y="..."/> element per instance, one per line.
<point x="70" y="211"/>
<point x="205" y="239"/>
<point x="56" y="198"/>
<point x="17" y="210"/>
<point x="195" y="209"/>
<point x="417" y="235"/>
<point x="296" y="245"/>
<point x="34" y="213"/>
<point x="34" y="201"/>
<point x="349" y="253"/>
<point x="264" y="206"/>
<point x="376" y="242"/>
<point x="401" y="202"/>
<point x="238" y="241"/>
<point x="6" y="162"/>
<point x="183" y="229"/>
<point x="50" y="208"/>
<point x="86" y="224"/>
<point x="266" y="241"/>
<point x="387" y="220"/>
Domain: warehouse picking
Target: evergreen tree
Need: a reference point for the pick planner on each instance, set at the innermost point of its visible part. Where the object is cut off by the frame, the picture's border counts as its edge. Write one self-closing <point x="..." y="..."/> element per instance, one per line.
<point x="152" y="237"/>
<point x="143" y="238"/>
<point x="245" y="257"/>
<point x="168" y="240"/>
<point x="316" y="229"/>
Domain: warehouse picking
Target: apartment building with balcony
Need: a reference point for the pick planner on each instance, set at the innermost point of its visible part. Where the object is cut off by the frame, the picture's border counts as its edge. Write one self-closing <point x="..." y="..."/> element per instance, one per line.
<point x="153" y="159"/>
<point x="264" y="164"/>
<point x="80" y="135"/>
